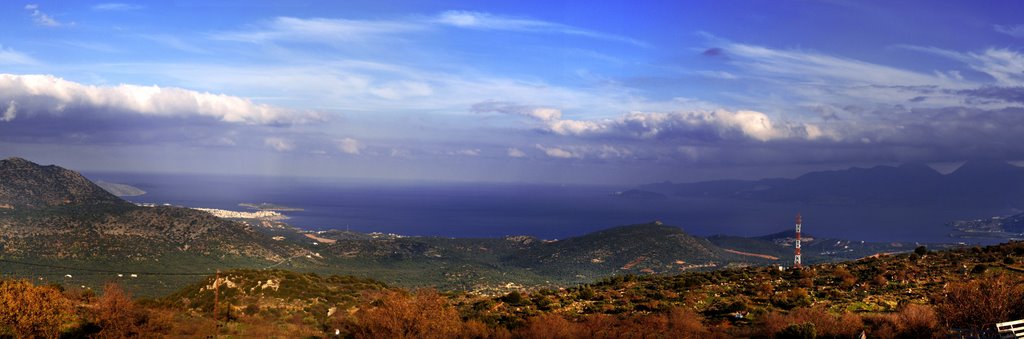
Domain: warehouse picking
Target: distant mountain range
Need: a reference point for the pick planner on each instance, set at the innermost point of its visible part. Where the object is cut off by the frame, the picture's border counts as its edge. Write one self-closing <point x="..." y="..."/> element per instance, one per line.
<point x="976" y="183"/>
<point x="53" y="216"/>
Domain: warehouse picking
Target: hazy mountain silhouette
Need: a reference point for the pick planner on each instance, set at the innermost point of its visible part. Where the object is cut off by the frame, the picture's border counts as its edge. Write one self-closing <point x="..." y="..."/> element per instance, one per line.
<point x="976" y="183"/>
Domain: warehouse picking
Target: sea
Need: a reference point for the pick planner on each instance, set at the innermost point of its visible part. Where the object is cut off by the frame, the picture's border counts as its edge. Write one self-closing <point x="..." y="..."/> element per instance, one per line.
<point x="547" y="211"/>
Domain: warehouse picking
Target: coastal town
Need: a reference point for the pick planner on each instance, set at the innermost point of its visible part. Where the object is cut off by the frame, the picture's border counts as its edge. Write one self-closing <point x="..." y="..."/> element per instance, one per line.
<point x="262" y="215"/>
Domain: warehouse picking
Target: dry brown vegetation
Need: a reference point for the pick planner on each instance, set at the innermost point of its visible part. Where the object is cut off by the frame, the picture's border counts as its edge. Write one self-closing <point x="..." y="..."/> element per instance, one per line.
<point x="892" y="297"/>
<point x="29" y="311"/>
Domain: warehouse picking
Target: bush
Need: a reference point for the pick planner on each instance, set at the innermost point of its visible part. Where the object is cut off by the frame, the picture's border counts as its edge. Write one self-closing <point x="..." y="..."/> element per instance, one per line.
<point x="116" y="313"/>
<point x="423" y="314"/>
<point x="31" y="311"/>
<point x="514" y="298"/>
<point x="825" y="324"/>
<point x="798" y="331"/>
<point x="550" y="325"/>
<point x="917" y="321"/>
<point x="982" y="302"/>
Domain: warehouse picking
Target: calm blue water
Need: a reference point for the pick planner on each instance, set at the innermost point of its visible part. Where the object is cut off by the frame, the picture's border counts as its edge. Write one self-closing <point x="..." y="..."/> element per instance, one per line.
<point x="547" y="211"/>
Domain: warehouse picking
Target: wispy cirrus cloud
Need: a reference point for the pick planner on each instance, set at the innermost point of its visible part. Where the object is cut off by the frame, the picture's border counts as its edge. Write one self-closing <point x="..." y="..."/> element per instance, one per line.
<point x="333" y="30"/>
<point x="174" y="42"/>
<point x="488" y="21"/>
<point x="10" y="56"/>
<point x="117" y="6"/>
<point x="1004" y="65"/>
<point x="318" y="30"/>
<point x="1016" y="31"/>
<point x="41" y="18"/>
<point x="821" y="68"/>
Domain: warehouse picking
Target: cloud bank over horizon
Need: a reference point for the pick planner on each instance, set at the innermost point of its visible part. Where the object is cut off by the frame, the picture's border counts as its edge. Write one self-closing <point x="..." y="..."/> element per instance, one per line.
<point x="511" y="92"/>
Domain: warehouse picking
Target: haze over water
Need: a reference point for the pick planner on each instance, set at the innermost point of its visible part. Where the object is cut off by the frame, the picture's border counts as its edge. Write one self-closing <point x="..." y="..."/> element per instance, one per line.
<point x="546" y="211"/>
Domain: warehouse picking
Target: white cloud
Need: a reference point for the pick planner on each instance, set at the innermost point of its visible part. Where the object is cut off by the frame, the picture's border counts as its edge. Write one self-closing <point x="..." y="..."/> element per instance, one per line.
<point x="49" y="95"/>
<point x="717" y="74"/>
<point x="400" y="153"/>
<point x="515" y="153"/>
<point x="822" y="68"/>
<point x="11" y="57"/>
<point x="1016" y="31"/>
<point x="473" y="152"/>
<point x="349" y="145"/>
<point x="488" y="21"/>
<point x="402" y="89"/>
<point x="1006" y="66"/>
<point x="116" y="6"/>
<point x="319" y="30"/>
<point x="539" y="113"/>
<point x="279" y="144"/>
<point x="41" y="18"/>
<point x="174" y="42"/>
<point x="556" y="152"/>
<point x="11" y="112"/>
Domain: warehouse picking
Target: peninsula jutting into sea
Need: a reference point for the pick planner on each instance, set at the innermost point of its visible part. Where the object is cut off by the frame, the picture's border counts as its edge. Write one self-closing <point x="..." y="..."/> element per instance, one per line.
<point x="512" y="169"/>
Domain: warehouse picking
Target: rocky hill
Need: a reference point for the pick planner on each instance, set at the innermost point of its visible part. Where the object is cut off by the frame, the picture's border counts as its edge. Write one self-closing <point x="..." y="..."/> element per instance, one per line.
<point x="24" y="184"/>
<point x="637" y="249"/>
<point x="57" y="213"/>
<point x="251" y="291"/>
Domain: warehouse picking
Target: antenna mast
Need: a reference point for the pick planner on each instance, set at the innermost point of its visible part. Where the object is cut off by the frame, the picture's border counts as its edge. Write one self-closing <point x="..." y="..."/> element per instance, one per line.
<point x="796" y="257"/>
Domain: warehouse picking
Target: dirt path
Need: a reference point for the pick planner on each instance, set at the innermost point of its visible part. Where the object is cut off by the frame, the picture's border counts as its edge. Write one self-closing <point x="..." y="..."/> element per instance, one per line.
<point x="763" y="256"/>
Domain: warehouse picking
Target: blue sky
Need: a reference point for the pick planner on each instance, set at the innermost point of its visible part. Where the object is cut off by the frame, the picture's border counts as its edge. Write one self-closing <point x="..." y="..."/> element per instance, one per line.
<point x="581" y="92"/>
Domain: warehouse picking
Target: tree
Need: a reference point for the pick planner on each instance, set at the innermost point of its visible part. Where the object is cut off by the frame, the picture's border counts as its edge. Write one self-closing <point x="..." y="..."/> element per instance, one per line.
<point x="921" y="250"/>
<point x="31" y="311"/>
<point x="116" y="313"/>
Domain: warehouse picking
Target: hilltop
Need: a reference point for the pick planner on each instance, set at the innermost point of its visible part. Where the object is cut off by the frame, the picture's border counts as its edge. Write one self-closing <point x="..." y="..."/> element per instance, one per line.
<point x="59" y="218"/>
<point x="28" y="185"/>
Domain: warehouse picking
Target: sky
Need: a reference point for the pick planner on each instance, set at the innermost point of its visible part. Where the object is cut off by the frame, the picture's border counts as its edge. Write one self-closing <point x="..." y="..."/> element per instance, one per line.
<point x="598" y="92"/>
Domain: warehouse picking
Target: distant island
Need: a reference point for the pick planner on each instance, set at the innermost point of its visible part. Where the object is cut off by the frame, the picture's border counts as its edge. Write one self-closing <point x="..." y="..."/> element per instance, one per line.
<point x="266" y="206"/>
<point x="121" y="190"/>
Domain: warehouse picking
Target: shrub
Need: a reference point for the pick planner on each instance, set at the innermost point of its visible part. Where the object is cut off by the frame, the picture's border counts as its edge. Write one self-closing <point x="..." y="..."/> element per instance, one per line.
<point x="550" y="325"/>
<point x="116" y="313"/>
<point x="982" y="302"/>
<point x="798" y="331"/>
<point x="917" y="321"/>
<point x="30" y="311"/>
<point x="825" y="323"/>
<point x="423" y="314"/>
